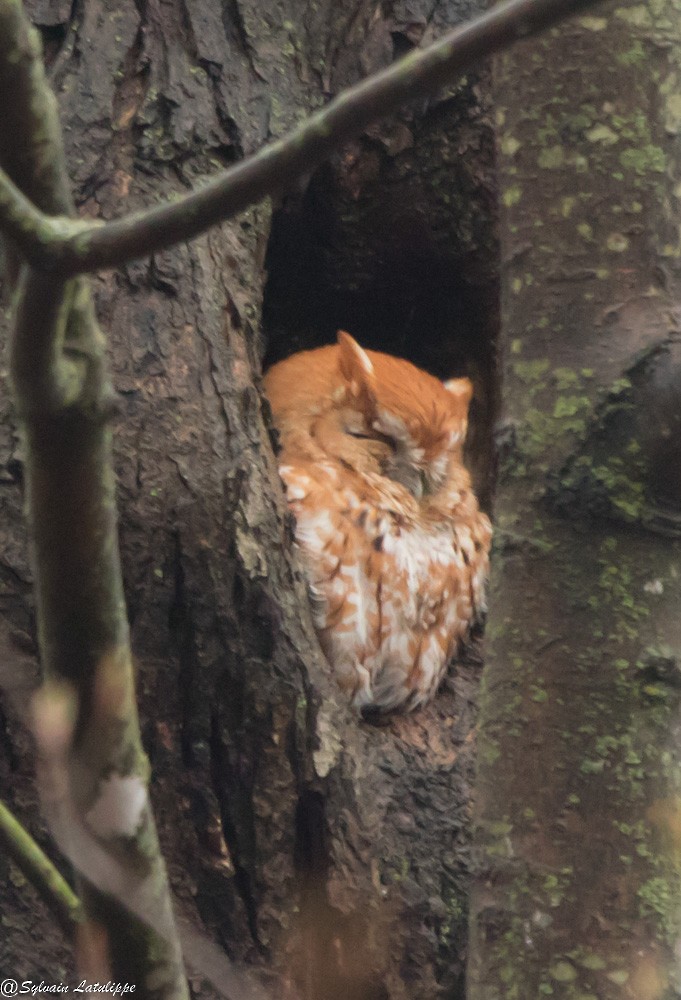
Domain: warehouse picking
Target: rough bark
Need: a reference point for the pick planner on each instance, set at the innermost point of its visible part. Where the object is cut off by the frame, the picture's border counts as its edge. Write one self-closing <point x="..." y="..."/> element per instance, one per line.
<point x="296" y="836"/>
<point x="578" y="805"/>
<point x="63" y="401"/>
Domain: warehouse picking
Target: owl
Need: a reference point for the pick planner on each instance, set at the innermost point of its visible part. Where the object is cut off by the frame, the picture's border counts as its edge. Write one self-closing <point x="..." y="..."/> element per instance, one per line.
<point x="390" y="535"/>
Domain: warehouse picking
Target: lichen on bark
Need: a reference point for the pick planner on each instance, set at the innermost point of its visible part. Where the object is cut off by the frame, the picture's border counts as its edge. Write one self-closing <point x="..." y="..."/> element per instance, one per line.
<point x="578" y="771"/>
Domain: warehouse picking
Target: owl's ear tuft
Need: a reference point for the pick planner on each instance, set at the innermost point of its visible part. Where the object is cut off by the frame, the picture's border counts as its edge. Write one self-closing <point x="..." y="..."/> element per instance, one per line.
<point x="355" y="366"/>
<point x="461" y="389"/>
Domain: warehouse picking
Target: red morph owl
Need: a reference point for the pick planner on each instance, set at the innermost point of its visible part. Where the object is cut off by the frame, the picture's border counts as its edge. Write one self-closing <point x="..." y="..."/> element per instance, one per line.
<point x="390" y="535"/>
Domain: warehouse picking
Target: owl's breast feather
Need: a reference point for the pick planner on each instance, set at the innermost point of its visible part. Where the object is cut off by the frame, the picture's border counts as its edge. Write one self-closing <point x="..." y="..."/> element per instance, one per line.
<point x="392" y="592"/>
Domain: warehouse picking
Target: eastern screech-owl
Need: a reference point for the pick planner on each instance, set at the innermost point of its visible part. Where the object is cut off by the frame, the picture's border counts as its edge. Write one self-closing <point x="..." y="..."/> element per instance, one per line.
<point x="389" y="530"/>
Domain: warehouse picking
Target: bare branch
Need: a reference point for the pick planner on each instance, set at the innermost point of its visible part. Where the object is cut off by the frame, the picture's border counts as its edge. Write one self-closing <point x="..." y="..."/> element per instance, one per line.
<point x="40" y="872"/>
<point x="21" y="221"/>
<point x="44" y="378"/>
<point x="31" y="150"/>
<point x="63" y="394"/>
<point x="275" y="167"/>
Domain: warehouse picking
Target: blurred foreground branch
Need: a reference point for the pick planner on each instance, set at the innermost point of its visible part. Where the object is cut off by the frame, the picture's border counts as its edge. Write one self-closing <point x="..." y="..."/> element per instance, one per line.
<point x="75" y="248"/>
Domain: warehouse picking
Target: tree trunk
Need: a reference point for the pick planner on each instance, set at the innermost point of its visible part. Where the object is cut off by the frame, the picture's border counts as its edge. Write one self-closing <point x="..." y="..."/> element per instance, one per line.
<point x="295" y="836"/>
<point x="578" y="806"/>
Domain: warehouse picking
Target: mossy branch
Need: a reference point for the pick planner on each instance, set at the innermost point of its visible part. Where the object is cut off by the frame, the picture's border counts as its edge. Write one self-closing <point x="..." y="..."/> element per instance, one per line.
<point x="49" y="245"/>
<point x="63" y="398"/>
<point x="31" y="151"/>
<point x="45" y="379"/>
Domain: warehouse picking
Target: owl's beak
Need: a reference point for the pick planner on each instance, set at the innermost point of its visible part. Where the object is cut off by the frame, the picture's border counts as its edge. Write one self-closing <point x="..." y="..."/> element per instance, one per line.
<point x="411" y="478"/>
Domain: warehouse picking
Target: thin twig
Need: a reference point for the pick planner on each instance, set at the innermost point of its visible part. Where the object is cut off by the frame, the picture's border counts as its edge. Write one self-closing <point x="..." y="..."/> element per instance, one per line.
<point x="275" y="167"/>
<point x="134" y="888"/>
<point x="40" y="872"/>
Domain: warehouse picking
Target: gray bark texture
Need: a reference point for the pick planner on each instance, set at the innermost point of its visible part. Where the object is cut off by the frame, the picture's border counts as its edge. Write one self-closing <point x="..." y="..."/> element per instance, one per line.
<point x="577" y="798"/>
<point x="297" y="838"/>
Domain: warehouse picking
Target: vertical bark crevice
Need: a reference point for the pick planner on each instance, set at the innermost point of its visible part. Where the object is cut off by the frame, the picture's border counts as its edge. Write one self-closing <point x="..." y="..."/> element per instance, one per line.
<point x="233" y="792"/>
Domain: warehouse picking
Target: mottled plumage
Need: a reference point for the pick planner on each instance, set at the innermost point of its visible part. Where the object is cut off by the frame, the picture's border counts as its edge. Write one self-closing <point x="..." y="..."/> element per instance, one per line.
<point x="390" y="534"/>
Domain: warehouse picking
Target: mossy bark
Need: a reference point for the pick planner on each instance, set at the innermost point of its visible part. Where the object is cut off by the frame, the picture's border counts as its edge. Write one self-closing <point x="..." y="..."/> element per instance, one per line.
<point x="577" y="889"/>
